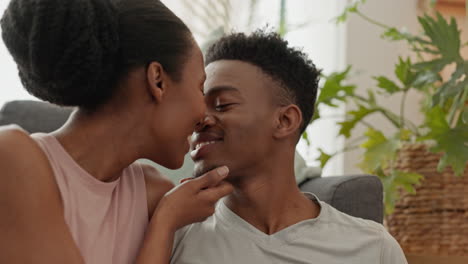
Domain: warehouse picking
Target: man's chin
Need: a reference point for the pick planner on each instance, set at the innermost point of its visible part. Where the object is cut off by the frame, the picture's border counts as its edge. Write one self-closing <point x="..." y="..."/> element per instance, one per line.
<point x="202" y="168"/>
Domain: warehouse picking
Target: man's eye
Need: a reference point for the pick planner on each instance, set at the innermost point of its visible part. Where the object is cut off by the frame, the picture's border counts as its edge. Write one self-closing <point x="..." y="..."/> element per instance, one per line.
<point x="222" y="107"/>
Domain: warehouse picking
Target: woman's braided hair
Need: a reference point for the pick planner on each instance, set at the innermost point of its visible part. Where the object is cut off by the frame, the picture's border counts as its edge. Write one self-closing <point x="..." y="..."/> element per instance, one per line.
<point x="73" y="52"/>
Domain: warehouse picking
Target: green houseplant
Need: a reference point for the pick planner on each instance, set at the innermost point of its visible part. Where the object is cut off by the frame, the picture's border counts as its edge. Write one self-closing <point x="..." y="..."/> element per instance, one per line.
<point x="445" y="128"/>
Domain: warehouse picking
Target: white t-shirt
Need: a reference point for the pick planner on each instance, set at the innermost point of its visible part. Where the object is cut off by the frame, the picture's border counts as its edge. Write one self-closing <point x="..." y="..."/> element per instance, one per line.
<point x="332" y="237"/>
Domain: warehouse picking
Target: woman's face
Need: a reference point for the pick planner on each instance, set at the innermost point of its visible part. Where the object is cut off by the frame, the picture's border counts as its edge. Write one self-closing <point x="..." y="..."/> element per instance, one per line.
<point x="183" y="108"/>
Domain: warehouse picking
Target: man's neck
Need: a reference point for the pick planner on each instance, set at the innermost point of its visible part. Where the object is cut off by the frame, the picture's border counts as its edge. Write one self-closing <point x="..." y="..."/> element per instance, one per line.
<point x="271" y="201"/>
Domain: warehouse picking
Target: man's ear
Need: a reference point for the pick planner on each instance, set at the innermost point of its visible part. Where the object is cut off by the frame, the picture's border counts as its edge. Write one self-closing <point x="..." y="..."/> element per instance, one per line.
<point x="155" y="77"/>
<point x="288" y="121"/>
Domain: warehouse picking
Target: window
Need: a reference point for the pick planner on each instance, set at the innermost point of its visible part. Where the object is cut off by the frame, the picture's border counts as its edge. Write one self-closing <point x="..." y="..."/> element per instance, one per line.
<point x="11" y="88"/>
<point x="311" y="25"/>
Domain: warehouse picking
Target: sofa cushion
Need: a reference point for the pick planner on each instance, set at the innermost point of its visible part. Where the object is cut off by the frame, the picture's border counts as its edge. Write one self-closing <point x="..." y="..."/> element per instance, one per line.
<point x="34" y="116"/>
<point x="356" y="195"/>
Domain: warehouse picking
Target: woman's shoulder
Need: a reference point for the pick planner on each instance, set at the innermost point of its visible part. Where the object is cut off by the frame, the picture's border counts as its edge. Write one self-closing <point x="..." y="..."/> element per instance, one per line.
<point x="15" y="141"/>
<point x="23" y="165"/>
<point x="12" y="131"/>
<point x="30" y="202"/>
<point x="21" y="156"/>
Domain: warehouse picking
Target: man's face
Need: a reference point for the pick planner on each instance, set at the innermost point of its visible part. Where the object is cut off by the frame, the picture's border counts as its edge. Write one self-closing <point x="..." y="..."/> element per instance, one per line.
<point x="237" y="130"/>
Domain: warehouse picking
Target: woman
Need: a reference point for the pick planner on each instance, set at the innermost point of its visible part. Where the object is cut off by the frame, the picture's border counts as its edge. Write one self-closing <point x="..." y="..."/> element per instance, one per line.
<point x="135" y="74"/>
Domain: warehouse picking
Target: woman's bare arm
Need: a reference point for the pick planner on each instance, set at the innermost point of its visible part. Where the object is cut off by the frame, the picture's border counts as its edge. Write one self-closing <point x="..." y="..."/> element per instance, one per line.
<point x="32" y="226"/>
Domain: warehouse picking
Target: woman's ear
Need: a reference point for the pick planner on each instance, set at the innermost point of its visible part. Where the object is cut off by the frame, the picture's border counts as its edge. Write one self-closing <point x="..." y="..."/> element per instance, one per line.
<point x="155" y="78"/>
<point x="288" y="121"/>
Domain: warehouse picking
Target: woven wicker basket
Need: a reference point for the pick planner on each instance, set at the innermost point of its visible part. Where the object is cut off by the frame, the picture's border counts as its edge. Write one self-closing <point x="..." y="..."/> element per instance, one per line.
<point x="434" y="221"/>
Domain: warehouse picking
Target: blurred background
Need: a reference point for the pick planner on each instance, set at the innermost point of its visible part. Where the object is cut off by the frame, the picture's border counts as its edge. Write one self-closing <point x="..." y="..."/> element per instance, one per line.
<point x="310" y="25"/>
<point x="393" y="101"/>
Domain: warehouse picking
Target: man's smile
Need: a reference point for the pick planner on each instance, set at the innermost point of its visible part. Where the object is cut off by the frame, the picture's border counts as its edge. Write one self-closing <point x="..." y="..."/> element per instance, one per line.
<point x="202" y="143"/>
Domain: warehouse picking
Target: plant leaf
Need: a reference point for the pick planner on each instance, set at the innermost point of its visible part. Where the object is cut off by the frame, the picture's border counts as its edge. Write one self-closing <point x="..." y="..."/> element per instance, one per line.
<point x="404" y="73"/>
<point x="391" y="194"/>
<point x="334" y="90"/>
<point x="424" y="78"/>
<point x="393" y="34"/>
<point x="392" y="184"/>
<point x="317" y="114"/>
<point x="436" y="122"/>
<point x="435" y="65"/>
<point x="371" y="97"/>
<point x="407" y="180"/>
<point x="305" y="136"/>
<point x="386" y="84"/>
<point x="356" y="116"/>
<point x="465" y="116"/>
<point x="323" y="158"/>
<point x="378" y="151"/>
<point x="350" y="8"/>
<point x="444" y="37"/>
<point x="450" y="88"/>
<point x="452" y="142"/>
<point x="405" y="134"/>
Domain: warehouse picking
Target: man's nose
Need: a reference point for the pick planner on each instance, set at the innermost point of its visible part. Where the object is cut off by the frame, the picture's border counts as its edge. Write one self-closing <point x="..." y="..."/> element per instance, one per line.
<point x="206" y="122"/>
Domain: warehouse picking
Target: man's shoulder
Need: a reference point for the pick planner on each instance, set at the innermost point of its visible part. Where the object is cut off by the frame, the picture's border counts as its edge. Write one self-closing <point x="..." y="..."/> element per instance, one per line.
<point x="212" y="227"/>
<point x="203" y="228"/>
<point x="366" y="231"/>
<point x="191" y="235"/>
<point x="344" y="221"/>
<point x="331" y="216"/>
<point x="331" y="231"/>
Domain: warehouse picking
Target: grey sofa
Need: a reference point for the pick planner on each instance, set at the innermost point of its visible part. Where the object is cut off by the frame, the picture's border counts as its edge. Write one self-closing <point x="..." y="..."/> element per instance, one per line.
<point x="356" y="195"/>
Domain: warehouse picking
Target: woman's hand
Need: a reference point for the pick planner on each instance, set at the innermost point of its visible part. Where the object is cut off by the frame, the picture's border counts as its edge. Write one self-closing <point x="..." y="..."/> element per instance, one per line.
<point x="194" y="200"/>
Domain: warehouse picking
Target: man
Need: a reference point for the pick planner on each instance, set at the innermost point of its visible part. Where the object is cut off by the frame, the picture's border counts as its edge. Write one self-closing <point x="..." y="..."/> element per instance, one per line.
<point x="260" y="97"/>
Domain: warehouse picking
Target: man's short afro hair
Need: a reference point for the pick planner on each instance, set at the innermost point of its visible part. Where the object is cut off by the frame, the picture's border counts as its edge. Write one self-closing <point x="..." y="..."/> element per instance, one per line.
<point x="291" y="67"/>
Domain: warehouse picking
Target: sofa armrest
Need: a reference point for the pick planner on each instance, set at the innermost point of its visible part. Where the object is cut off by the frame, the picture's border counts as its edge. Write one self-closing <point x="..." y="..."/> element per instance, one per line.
<point x="357" y="195"/>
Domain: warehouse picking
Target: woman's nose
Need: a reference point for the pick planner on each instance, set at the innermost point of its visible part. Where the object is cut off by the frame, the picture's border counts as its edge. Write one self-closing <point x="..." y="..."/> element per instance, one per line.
<point x="207" y="121"/>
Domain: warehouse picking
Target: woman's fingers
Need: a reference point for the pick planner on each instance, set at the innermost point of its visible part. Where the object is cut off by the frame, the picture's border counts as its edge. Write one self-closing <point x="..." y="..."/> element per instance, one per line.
<point x="195" y="199"/>
<point x="211" y="178"/>
<point x="213" y="194"/>
<point x="186" y="179"/>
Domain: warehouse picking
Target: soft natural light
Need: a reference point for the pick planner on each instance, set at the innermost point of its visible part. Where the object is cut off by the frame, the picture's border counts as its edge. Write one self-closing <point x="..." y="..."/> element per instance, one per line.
<point x="318" y="35"/>
<point x="312" y="27"/>
<point x="11" y="85"/>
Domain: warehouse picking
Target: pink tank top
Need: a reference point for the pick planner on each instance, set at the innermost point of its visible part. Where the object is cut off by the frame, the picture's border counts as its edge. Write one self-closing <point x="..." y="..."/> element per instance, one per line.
<point x="106" y="219"/>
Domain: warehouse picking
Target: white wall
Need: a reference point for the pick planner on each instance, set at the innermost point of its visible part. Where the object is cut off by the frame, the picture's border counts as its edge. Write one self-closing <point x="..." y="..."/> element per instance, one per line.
<point x="321" y="39"/>
<point x="324" y="41"/>
<point x="10" y="87"/>
<point x="374" y="56"/>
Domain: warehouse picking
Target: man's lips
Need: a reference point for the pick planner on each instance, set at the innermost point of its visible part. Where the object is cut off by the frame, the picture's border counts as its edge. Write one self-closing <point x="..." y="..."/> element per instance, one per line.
<point x="203" y="138"/>
<point x="202" y="144"/>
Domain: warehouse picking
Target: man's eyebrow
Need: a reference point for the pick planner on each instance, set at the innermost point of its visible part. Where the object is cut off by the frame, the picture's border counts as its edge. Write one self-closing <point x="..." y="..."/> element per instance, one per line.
<point x="222" y="88"/>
